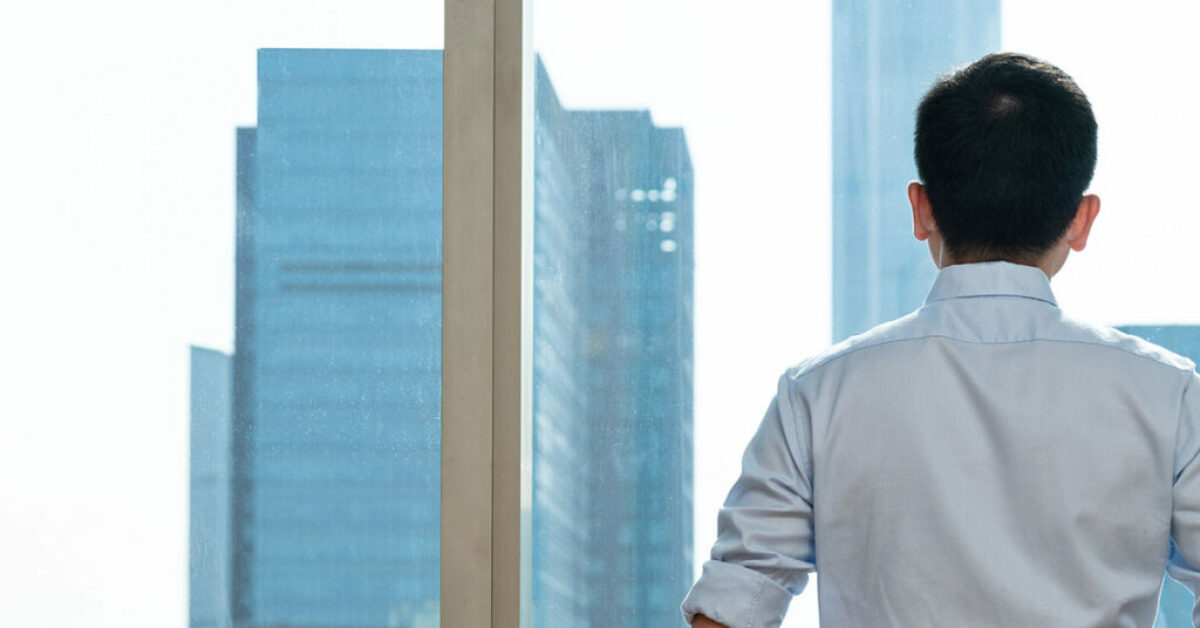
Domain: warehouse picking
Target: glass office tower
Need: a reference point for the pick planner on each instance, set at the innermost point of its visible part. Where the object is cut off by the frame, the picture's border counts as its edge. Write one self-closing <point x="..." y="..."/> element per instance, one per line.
<point x="1175" y="602"/>
<point x="612" y="367"/>
<point x="337" y="372"/>
<point x="208" y="495"/>
<point x="335" y="450"/>
<point x="885" y="55"/>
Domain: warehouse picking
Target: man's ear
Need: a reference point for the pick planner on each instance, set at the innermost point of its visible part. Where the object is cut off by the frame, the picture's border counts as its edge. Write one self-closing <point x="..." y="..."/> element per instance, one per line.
<point x="923" y="224"/>
<point x="1081" y="225"/>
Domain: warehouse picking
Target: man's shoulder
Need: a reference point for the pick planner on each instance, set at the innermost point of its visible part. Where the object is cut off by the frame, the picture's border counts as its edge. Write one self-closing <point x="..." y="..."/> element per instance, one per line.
<point x="1058" y="328"/>
<point x="896" y="330"/>
<point x="1073" y="329"/>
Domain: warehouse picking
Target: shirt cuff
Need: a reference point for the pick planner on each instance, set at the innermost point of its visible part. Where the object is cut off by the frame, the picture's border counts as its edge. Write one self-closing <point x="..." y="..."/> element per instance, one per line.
<point x="736" y="596"/>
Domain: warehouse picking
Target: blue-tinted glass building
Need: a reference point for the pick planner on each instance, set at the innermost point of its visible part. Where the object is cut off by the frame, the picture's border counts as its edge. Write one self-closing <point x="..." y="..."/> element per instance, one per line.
<point x="211" y="424"/>
<point x="612" y="367"/>
<point x="885" y="55"/>
<point x="1175" y="602"/>
<point x="337" y="370"/>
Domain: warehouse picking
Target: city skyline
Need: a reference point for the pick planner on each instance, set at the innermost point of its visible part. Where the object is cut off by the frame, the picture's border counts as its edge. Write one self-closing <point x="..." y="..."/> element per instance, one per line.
<point x="315" y="267"/>
<point x="119" y="164"/>
<point x="587" y="130"/>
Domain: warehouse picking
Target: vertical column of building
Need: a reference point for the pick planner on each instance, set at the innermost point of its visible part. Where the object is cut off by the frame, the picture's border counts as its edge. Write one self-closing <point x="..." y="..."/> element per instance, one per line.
<point x="676" y="240"/>
<point x="561" y="556"/>
<point x="617" y="421"/>
<point x="885" y="55"/>
<point x="241" y="514"/>
<point x="659" y="349"/>
<point x="336" y="513"/>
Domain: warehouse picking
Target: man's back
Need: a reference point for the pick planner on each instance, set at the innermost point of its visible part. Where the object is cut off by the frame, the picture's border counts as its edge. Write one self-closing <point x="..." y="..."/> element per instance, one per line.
<point x="983" y="461"/>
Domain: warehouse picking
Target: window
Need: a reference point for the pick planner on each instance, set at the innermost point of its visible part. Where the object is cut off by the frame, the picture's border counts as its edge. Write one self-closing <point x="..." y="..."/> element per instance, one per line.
<point x="335" y="442"/>
<point x="262" y="182"/>
<point x="233" y="233"/>
<point x="790" y="229"/>
<point x="615" y="383"/>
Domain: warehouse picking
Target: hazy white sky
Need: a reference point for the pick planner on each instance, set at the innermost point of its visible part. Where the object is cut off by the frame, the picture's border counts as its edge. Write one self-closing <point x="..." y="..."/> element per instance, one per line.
<point x="116" y="178"/>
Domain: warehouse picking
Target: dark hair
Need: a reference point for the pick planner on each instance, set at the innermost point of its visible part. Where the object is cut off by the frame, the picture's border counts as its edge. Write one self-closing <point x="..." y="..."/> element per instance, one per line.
<point x="1005" y="147"/>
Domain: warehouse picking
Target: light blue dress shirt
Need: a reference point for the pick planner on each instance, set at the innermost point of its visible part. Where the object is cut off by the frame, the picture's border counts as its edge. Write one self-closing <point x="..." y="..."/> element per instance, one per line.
<point x="982" y="461"/>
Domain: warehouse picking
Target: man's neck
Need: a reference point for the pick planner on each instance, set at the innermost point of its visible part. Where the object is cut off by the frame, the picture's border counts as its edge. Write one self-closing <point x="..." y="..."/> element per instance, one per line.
<point x="1046" y="263"/>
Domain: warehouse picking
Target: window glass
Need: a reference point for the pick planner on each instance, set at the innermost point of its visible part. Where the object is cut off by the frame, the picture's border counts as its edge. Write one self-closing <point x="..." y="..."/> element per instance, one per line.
<point x="228" y="314"/>
<point x="335" y="442"/>
<point x="611" y="519"/>
<point x="719" y="192"/>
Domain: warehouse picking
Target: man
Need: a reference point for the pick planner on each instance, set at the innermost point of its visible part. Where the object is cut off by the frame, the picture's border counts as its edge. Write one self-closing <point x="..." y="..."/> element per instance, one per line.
<point x="984" y="460"/>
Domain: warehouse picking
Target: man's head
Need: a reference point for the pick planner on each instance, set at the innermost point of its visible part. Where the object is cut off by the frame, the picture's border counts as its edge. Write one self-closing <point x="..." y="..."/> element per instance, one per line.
<point x="1005" y="148"/>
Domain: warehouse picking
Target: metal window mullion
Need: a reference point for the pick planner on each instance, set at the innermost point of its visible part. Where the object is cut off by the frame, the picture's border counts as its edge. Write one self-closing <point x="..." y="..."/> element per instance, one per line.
<point x="484" y="321"/>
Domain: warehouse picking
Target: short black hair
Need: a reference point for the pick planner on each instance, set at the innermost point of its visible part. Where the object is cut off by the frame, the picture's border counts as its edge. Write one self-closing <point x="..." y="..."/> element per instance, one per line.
<point x="1005" y="147"/>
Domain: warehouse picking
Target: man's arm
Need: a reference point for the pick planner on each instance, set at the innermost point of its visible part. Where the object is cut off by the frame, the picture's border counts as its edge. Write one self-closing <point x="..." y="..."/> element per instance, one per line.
<point x="764" y="550"/>
<point x="703" y="622"/>
<point x="1183" y="563"/>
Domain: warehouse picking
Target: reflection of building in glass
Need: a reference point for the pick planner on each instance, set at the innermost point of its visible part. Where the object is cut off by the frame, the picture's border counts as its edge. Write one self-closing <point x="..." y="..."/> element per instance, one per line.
<point x="885" y="55"/>
<point x="612" y="368"/>
<point x="208" y="528"/>
<point x="336" y="484"/>
<point x="1175" y="602"/>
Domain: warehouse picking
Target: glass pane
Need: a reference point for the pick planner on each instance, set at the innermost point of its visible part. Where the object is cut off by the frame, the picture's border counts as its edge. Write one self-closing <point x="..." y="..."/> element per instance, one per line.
<point x="336" y="368"/>
<point x="785" y="135"/>
<point x="230" y="407"/>
<point x="612" y="366"/>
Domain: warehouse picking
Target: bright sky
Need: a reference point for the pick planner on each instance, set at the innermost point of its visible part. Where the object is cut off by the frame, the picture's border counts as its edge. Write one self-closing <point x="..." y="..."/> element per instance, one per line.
<point x="116" y="174"/>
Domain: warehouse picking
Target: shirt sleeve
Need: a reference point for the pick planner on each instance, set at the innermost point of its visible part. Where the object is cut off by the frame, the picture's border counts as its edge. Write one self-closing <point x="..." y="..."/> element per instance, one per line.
<point x="1183" y="561"/>
<point x="764" y="550"/>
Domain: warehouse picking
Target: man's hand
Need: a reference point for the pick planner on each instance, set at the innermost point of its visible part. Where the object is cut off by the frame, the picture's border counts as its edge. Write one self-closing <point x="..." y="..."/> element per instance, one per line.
<point x="700" y="621"/>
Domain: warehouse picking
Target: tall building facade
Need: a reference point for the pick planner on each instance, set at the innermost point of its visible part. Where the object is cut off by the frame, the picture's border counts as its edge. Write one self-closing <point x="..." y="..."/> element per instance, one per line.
<point x="885" y="55"/>
<point x="211" y="425"/>
<point x="612" y="367"/>
<point x="1175" y="602"/>
<point x="334" y="489"/>
<point x="337" y="371"/>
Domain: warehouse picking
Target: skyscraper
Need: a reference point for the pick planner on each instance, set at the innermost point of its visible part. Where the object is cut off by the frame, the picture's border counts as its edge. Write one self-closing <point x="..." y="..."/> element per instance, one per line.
<point x="1175" y="602"/>
<point x="208" y="495"/>
<point x="336" y="443"/>
<point x="885" y="55"/>
<point x="612" y="367"/>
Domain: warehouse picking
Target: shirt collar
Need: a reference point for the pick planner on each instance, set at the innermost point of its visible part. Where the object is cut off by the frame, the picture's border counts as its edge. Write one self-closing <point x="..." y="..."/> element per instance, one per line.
<point x="991" y="279"/>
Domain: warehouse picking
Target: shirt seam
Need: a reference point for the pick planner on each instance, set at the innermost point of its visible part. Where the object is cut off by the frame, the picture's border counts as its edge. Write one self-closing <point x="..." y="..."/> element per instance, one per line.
<point x="1179" y="424"/>
<point x="800" y="372"/>
<point x="788" y="416"/>
<point x="754" y="602"/>
<point x="982" y="295"/>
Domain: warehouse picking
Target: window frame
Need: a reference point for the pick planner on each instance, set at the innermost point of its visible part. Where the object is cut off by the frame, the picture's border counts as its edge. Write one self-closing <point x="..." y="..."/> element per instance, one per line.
<point x="486" y="315"/>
